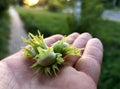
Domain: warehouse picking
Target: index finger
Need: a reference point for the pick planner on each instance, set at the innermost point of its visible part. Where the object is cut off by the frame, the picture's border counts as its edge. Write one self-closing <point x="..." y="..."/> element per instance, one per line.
<point x="53" y="39"/>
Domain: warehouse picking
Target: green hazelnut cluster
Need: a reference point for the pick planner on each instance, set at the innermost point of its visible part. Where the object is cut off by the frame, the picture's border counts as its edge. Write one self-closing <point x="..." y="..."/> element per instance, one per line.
<point x="48" y="59"/>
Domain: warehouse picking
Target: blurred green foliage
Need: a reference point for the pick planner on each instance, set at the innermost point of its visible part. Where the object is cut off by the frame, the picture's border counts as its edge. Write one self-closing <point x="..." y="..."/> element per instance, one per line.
<point x="108" y="33"/>
<point x="55" y="5"/>
<point x="47" y="22"/>
<point x="58" y="5"/>
<point x="91" y="13"/>
<point x="66" y="2"/>
<point x="111" y="3"/>
<point x="4" y="4"/>
<point x="4" y="34"/>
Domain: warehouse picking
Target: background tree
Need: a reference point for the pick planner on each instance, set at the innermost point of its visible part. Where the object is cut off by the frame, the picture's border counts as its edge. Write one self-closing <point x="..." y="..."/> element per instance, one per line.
<point x="54" y="5"/>
<point x="20" y="2"/>
<point x="90" y="15"/>
<point x="4" y="4"/>
<point x="111" y="3"/>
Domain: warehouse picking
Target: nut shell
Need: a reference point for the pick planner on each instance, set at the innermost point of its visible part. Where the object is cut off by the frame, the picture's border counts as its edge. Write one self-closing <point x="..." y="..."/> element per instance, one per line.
<point x="46" y="60"/>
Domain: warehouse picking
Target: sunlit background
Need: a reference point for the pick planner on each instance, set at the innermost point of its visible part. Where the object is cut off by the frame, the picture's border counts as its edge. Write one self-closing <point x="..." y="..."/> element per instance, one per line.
<point x="31" y="2"/>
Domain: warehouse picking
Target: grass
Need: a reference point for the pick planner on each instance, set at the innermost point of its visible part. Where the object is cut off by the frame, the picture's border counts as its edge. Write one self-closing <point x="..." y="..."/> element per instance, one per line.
<point x="47" y="22"/>
<point x="4" y="34"/>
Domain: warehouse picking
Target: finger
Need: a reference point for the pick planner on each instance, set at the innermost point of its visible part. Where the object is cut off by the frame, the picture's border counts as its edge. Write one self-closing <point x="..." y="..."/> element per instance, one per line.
<point x="72" y="37"/>
<point x="91" y="59"/>
<point x="80" y="42"/>
<point x="50" y="40"/>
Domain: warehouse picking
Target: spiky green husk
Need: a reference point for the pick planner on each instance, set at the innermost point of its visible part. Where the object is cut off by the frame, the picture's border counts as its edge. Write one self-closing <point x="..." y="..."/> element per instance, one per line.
<point x="48" y="59"/>
<point x="66" y="49"/>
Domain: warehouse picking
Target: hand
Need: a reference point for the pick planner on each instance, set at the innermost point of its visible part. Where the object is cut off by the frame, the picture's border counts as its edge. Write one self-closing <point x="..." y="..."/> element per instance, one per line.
<point x="78" y="73"/>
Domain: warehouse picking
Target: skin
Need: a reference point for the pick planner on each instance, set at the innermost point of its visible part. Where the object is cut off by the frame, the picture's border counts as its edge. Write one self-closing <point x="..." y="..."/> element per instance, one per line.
<point x="78" y="72"/>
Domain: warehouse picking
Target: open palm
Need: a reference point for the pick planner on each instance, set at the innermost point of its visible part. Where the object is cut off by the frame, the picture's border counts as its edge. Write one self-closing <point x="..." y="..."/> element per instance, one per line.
<point x="78" y="73"/>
